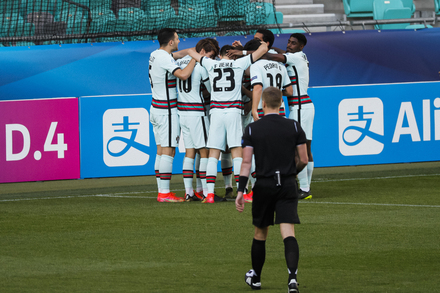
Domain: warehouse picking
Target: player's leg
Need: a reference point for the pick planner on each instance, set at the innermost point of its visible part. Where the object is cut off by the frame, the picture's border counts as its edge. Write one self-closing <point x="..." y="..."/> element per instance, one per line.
<point x="237" y="158"/>
<point x="204" y="153"/>
<point x="156" y="166"/>
<point x="169" y="136"/>
<point x="227" y="167"/>
<point x="211" y="174"/>
<point x="188" y="173"/>
<point x="216" y="144"/>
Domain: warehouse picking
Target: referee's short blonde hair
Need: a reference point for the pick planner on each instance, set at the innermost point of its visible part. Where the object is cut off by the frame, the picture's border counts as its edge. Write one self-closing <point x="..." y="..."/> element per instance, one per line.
<point x="272" y="97"/>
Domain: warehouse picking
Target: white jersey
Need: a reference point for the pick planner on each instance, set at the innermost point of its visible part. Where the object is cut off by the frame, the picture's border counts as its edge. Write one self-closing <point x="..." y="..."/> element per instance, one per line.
<point x="298" y="69"/>
<point x="163" y="83"/>
<point x="190" y="101"/>
<point x="226" y="77"/>
<point x="269" y="73"/>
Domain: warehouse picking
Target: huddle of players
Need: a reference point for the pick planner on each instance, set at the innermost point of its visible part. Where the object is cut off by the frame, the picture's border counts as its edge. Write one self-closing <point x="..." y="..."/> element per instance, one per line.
<point x="227" y="82"/>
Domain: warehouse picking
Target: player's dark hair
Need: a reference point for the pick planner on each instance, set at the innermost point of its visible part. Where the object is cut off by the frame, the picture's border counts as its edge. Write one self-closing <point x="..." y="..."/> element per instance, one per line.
<point x="267" y="36"/>
<point x="225" y="49"/>
<point x="208" y="45"/>
<point x="165" y="35"/>
<point x="300" y="37"/>
<point x="252" y="45"/>
<point x="272" y="97"/>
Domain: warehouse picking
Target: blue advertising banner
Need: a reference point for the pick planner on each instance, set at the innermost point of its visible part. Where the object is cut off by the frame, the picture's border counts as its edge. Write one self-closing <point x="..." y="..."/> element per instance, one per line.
<point x="376" y="124"/>
<point x="117" y="137"/>
<point x="336" y="58"/>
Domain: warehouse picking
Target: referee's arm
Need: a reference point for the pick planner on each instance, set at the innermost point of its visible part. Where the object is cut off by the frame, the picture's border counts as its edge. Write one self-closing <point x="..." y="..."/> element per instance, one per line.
<point x="244" y="172"/>
<point x="302" y="157"/>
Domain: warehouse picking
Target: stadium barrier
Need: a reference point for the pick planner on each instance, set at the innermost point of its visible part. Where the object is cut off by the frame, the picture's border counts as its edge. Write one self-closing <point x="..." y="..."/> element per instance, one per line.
<point x="373" y="106"/>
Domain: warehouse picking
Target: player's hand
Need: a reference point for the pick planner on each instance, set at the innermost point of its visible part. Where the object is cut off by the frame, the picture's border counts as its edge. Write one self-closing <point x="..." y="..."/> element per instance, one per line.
<point x="255" y="115"/>
<point x="239" y="202"/>
<point x="236" y="43"/>
<point x="234" y="53"/>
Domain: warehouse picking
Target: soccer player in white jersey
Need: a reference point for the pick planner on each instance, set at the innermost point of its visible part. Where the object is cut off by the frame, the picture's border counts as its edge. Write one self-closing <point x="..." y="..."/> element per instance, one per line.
<point x="300" y="105"/>
<point x="193" y="116"/>
<point x="225" y="77"/>
<point x="265" y="73"/>
<point x="163" y="71"/>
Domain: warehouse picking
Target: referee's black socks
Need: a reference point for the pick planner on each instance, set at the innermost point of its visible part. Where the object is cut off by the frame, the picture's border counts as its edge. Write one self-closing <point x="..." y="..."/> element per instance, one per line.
<point x="291" y="252"/>
<point x="258" y="256"/>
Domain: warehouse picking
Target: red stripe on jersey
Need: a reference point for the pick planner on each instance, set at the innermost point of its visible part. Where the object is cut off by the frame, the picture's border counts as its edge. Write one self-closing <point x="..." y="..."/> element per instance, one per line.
<point x="294" y="100"/>
<point x="224" y="105"/>
<point x="163" y="104"/>
<point x="172" y="83"/>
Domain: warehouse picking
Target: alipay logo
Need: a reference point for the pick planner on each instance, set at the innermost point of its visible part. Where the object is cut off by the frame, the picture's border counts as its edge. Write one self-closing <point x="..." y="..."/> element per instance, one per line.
<point x="361" y="126"/>
<point x="126" y="137"/>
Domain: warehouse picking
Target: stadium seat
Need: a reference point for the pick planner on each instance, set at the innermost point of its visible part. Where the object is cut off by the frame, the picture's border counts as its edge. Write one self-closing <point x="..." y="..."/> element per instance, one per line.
<point x="292" y="31"/>
<point x="119" y="4"/>
<point x="358" y="8"/>
<point x="194" y="15"/>
<point x="159" y="12"/>
<point x="418" y="26"/>
<point x="390" y="9"/>
<point x="410" y="4"/>
<point x="261" y="13"/>
<point x="234" y="11"/>
<point x="437" y="6"/>
<point x="10" y="22"/>
<point x="103" y="20"/>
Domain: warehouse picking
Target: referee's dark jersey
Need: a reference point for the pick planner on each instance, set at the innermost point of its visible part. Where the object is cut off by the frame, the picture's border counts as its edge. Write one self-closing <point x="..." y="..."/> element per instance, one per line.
<point x="274" y="140"/>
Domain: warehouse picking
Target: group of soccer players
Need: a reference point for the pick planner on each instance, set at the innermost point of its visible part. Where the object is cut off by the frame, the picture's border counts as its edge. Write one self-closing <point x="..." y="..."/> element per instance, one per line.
<point x="232" y="80"/>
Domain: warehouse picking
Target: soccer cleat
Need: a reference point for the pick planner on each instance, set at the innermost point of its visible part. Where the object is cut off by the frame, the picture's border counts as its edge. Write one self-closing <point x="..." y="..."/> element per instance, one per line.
<point x="191" y="198"/>
<point x="293" y="286"/>
<point x="209" y="198"/>
<point x="304" y="194"/>
<point x="249" y="279"/>
<point x="168" y="197"/>
<point x="229" y="193"/>
<point x="199" y="195"/>
<point x="218" y="198"/>
<point x="248" y="197"/>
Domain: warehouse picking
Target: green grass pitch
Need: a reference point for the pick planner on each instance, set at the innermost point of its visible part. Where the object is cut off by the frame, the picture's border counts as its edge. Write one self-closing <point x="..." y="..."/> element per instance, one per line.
<point x="366" y="229"/>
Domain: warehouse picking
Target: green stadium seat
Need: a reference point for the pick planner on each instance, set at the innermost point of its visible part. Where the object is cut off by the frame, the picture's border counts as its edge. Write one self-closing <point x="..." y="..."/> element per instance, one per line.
<point x="261" y="13"/>
<point x="159" y="12"/>
<point x="437" y="6"/>
<point x="390" y="9"/>
<point x="292" y="31"/>
<point x="418" y="26"/>
<point x="232" y="10"/>
<point x="358" y="8"/>
<point x="410" y="4"/>
<point x="191" y="14"/>
<point x="364" y="8"/>
<point x="10" y="23"/>
<point x="103" y="20"/>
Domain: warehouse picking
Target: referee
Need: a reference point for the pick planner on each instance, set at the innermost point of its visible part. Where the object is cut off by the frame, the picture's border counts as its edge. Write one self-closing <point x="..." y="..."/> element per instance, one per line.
<point x="274" y="140"/>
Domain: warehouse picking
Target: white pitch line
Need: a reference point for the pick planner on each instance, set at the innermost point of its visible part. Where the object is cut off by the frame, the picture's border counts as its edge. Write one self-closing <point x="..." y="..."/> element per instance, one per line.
<point x="370" y="204"/>
<point x="121" y="195"/>
<point x="374" y="178"/>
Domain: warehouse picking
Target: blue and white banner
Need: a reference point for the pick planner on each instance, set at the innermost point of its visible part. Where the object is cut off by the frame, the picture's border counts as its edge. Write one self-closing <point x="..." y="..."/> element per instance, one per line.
<point x="376" y="124"/>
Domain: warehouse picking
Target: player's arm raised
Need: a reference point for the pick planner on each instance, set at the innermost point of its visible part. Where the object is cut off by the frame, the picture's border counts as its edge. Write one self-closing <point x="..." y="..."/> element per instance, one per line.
<point x="186" y="72"/>
<point x="180" y="54"/>
<point x="260" y="52"/>
<point x="193" y="53"/>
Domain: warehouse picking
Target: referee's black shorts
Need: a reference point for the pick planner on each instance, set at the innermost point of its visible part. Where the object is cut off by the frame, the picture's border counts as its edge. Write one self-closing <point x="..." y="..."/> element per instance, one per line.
<point x="270" y="200"/>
